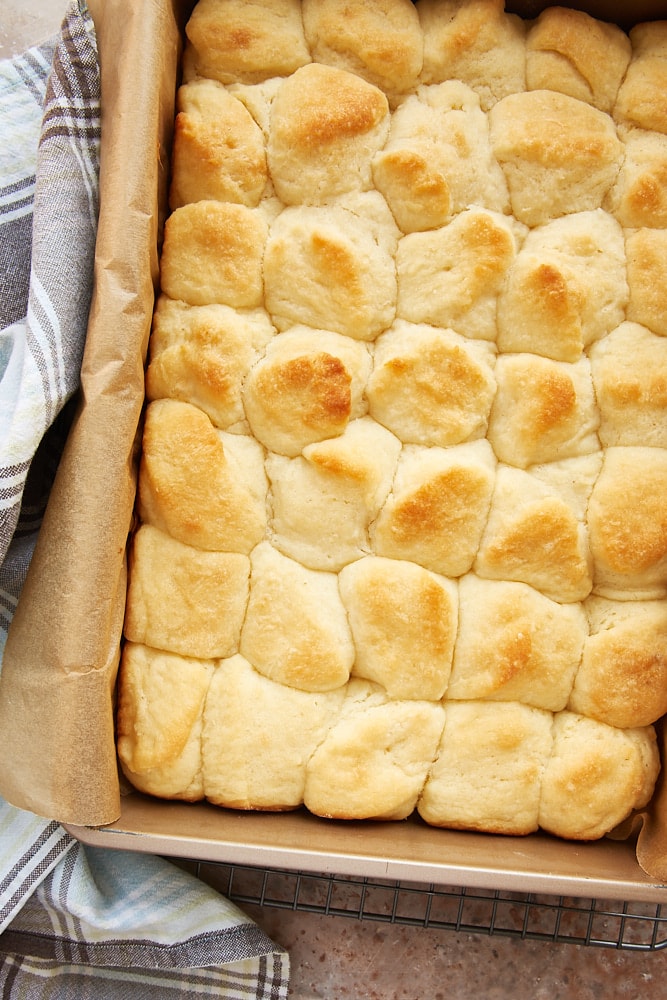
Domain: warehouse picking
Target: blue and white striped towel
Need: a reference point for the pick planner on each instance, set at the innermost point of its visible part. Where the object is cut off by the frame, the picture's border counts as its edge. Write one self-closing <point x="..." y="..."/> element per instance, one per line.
<point x="77" y="922"/>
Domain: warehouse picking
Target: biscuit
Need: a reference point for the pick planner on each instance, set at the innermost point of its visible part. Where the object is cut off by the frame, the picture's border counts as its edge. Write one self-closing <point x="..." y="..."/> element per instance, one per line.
<point x="438" y="507"/>
<point x="185" y="600"/>
<point x="576" y="54"/>
<point x="595" y="776"/>
<point x="403" y="620"/>
<point x="260" y="766"/>
<point x="515" y="644"/>
<point x="559" y="154"/>
<point x="374" y="760"/>
<point x="295" y="629"/>
<point x="488" y="770"/>
<point x="159" y="721"/>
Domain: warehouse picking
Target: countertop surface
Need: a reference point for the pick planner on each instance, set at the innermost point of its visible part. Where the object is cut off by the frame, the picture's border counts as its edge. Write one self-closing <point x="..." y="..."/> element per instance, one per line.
<point x="347" y="957"/>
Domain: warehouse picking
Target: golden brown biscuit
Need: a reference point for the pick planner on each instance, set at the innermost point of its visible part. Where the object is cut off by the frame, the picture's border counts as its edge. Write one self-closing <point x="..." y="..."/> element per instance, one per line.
<point x="536" y="535"/>
<point x="295" y="630"/>
<point x="451" y="277"/>
<point x="559" y="154"/>
<point x="159" y="721"/>
<point x="566" y="289"/>
<point x="373" y="762"/>
<point x="431" y="386"/>
<point x="185" y="600"/>
<point x="543" y="410"/>
<point x="258" y="737"/>
<point x="325" y="267"/>
<point x="629" y="369"/>
<point x="204" y="487"/>
<point x="307" y="387"/>
<point x="646" y="251"/>
<point x="218" y="149"/>
<point x="574" y="53"/>
<point x="232" y="40"/>
<point x="476" y="42"/>
<point x="515" y="644"/>
<point x="488" y="770"/>
<point x="326" y="124"/>
<point x="438" y="506"/>
<point x="437" y="160"/>
<point x="323" y="501"/>
<point x="403" y="620"/>
<point x="380" y="41"/>
<point x="201" y="355"/>
<point x="622" y="679"/>
<point x="595" y="777"/>
<point x="213" y="252"/>
<point x="628" y="524"/>
<point x="639" y="197"/>
<point x="642" y="98"/>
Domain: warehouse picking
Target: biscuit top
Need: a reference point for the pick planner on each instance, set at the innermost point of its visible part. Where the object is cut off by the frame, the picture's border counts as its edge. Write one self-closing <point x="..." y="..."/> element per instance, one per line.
<point x="380" y="41"/>
<point x="573" y="53"/>
<point x="232" y="40"/>
<point x="326" y="125"/>
<point x="559" y="154"/>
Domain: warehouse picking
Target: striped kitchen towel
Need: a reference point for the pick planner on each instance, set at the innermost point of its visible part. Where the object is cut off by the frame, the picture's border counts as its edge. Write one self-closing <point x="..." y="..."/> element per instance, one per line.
<point x="75" y="921"/>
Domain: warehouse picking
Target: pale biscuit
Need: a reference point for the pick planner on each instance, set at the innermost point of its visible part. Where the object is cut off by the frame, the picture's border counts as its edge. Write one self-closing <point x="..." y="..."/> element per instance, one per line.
<point x="559" y="154"/>
<point x="231" y="40"/>
<point x="572" y="479"/>
<point x="646" y="251"/>
<point x="202" y="354"/>
<point x="185" y="600"/>
<point x="642" y="98"/>
<point x="628" y="525"/>
<point x="535" y="535"/>
<point x="596" y="776"/>
<point x="639" y="197"/>
<point x="325" y="268"/>
<point x="204" y="487"/>
<point x="431" y="386"/>
<point x="326" y="125"/>
<point x="476" y="42"/>
<point x="574" y="53"/>
<point x="213" y="252"/>
<point x="258" y="737"/>
<point x="381" y="42"/>
<point x="437" y="160"/>
<point x="403" y="620"/>
<point x="629" y="369"/>
<point x="622" y="679"/>
<point x="307" y="387"/>
<point x="324" y="501"/>
<point x="218" y="149"/>
<point x="543" y="410"/>
<point x="515" y="644"/>
<point x="488" y="770"/>
<point x="452" y="276"/>
<point x="567" y="287"/>
<point x="296" y="629"/>
<point x="438" y="507"/>
<point x="374" y="760"/>
<point x="159" y="721"/>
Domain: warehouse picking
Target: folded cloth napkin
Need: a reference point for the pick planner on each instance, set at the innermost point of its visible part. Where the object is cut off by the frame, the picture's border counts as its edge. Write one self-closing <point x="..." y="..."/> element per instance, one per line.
<point x="75" y="921"/>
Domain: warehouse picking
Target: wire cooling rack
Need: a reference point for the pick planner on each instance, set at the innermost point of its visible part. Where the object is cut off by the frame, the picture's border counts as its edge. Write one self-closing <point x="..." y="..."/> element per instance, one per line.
<point x="631" y="926"/>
